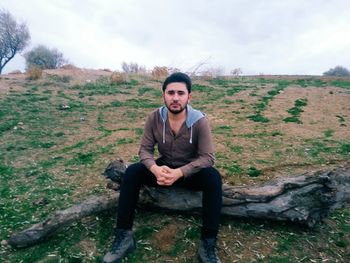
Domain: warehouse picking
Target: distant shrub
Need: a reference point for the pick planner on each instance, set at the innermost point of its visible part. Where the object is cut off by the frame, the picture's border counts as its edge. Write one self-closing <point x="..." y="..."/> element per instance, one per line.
<point x="236" y="72"/>
<point x="44" y="58"/>
<point x="133" y="68"/>
<point x="118" y="77"/>
<point x="338" y="71"/>
<point x="160" y="73"/>
<point x="34" y="73"/>
<point x="212" y="72"/>
<point x="68" y="66"/>
<point x="15" y="72"/>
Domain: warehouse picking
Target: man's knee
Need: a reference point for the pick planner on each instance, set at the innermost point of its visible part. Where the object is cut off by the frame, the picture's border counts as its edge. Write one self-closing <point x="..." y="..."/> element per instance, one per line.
<point x="133" y="173"/>
<point x="211" y="177"/>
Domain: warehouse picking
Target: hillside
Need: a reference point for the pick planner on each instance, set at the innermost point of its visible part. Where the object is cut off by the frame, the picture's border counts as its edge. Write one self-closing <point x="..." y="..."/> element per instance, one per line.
<point x="58" y="134"/>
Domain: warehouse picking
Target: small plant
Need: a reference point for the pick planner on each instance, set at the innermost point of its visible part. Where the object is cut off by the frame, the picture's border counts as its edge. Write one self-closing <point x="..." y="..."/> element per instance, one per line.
<point x="300" y="102"/>
<point x="328" y="133"/>
<point x="34" y="73"/>
<point x="345" y="149"/>
<point x="254" y="172"/>
<point x="341" y="120"/>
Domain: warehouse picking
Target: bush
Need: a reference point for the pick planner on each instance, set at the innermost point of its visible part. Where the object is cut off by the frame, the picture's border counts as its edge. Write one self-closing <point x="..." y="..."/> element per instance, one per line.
<point x="44" y="58"/>
<point x="236" y="72"/>
<point x="133" y="68"/>
<point x="338" y="71"/>
<point x="118" y="78"/>
<point x="160" y="73"/>
<point x="34" y="73"/>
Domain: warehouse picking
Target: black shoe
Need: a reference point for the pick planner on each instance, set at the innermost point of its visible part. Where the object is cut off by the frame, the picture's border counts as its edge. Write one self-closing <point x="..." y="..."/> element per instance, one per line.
<point x="207" y="252"/>
<point x="123" y="244"/>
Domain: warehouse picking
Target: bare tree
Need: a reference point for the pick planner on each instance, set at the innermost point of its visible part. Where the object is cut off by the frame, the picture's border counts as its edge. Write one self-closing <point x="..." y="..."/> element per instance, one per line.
<point x="14" y="37"/>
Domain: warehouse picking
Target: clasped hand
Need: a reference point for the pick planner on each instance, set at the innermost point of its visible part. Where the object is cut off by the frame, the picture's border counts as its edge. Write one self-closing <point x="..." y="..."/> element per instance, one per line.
<point x="165" y="175"/>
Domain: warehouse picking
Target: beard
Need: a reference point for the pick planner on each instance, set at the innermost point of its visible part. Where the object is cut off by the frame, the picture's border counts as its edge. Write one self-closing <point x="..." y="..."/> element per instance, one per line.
<point x="176" y="110"/>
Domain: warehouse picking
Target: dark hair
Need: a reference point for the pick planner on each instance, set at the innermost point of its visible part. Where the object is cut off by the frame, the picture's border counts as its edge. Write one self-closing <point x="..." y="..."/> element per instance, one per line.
<point x="178" y="77"/>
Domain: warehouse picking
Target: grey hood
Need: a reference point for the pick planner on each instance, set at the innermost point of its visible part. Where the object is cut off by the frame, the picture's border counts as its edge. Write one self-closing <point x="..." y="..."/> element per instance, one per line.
<point x="192" y="117"/>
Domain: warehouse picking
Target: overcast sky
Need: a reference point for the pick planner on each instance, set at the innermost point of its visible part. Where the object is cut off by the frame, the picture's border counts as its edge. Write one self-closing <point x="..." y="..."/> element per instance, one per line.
<point x="269" y="37"/>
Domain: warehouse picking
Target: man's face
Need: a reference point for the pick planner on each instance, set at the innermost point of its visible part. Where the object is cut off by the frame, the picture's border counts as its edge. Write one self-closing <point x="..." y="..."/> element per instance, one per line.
<point x="176" y="97"/>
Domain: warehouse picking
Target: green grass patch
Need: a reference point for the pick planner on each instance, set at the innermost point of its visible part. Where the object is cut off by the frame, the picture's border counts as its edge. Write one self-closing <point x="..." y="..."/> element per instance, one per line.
<point x="344" y="149"/>
<point x="155" y="92"/>
<point x="296" y="111"/>
<point x="125" y="141"/>
<point x="253" y="171"/>
<point x="264" y="101"/>
<point x="234" y="148"/>
<point x="258" y="118"/>
<point x="341" y="84"/>
<point x="328" y="133"/>
<point x="136" y="104"/>
<point x="223" y="129"/>
<point x="233" y="168"/>
<point x="202" y="88"/>
<point x="341" y="120"/>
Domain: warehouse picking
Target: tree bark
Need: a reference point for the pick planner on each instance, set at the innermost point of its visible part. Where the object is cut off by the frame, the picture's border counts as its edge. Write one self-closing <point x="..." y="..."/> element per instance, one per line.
<point x="304" y="199"/>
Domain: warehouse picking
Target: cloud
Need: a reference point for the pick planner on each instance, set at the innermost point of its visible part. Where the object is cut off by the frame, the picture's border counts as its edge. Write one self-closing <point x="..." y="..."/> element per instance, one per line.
<point x="274" y="37"/>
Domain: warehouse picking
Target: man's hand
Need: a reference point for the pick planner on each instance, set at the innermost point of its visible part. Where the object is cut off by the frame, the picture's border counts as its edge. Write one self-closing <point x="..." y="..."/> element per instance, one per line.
<point x="166" y="176"/>
<point x="171" y="175"/>
<point x="159" y="172"/>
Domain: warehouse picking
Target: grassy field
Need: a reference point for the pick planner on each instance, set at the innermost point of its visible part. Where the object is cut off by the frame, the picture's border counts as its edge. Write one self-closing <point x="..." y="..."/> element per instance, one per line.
<point x="57" y="135"/>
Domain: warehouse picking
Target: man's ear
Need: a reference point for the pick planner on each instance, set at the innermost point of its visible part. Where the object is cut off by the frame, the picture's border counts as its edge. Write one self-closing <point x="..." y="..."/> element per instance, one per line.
<point x="189" y="97"/>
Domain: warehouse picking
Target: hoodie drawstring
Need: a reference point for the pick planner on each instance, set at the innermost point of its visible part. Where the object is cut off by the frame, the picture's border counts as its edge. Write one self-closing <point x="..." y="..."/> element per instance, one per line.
<point x="191" y="136"/>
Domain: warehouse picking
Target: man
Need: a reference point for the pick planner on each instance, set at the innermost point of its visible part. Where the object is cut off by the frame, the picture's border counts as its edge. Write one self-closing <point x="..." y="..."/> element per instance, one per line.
<point x="184" y="141"/>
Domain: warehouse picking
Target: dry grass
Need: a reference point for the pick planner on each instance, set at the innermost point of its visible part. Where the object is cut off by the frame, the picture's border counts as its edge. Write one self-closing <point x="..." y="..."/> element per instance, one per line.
<point x="118" y="77"/>
<point x="34" y="73"/>
<point x="160" y="73"/>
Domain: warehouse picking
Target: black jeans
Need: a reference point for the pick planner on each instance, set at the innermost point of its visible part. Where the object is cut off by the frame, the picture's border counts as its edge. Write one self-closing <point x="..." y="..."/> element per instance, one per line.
<point x="207" y="180"/>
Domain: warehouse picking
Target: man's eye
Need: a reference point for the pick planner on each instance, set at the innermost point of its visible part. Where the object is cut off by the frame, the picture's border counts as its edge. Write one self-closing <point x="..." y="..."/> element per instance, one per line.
<point x="171" y="92"/>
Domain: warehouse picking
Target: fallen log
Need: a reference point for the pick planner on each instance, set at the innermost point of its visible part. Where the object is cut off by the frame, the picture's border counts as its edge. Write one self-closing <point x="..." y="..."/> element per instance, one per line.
<point x="304" y="199"/>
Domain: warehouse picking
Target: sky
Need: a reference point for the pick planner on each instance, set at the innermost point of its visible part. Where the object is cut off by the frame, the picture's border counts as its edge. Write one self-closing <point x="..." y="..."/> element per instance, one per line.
<point x="292" y="37"/>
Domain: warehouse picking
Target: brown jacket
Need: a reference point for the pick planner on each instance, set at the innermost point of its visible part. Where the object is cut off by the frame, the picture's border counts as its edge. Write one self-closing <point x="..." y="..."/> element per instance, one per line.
<point x="190" y="150"/>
